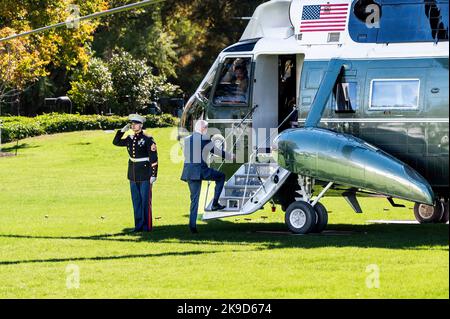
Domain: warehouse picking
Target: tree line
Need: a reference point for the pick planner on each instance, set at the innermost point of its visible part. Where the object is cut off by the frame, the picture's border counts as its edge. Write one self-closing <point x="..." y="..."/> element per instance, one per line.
<point x="118" y="63"/>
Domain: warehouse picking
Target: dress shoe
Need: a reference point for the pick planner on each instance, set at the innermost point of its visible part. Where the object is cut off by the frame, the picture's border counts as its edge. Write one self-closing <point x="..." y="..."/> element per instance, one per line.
<point x="217" y="207"/>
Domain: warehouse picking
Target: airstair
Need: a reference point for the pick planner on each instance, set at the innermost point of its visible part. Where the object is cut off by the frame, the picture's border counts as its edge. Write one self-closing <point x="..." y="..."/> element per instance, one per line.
<point x="252" y="185"/>
<point x="250" y="188"/>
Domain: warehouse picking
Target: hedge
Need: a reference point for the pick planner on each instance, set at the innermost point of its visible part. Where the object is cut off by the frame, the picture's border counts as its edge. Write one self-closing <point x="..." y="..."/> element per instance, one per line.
<point x="19" y="127"/>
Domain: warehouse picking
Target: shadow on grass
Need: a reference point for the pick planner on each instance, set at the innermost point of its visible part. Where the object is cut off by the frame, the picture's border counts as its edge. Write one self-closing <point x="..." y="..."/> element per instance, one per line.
<point x="21" y="146"/>
<point x="82" y="144"/>
<point x="102" y="258"/>
<point x="275" y="236"/>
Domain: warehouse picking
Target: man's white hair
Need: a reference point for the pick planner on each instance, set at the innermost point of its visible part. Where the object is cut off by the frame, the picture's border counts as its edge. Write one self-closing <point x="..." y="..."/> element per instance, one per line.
<point x="200" y="125"/>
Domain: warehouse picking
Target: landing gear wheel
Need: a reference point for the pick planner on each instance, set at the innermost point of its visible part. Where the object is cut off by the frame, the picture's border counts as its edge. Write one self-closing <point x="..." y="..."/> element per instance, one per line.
<point x="444" y="218"/>
<point x="426" y="214"/>
<point x="322" y="218"/>
<point x="300" y="217"/>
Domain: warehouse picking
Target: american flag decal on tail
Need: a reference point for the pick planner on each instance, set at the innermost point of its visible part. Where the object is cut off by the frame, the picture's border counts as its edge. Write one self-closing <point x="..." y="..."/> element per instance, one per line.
<point x="324" y="17"/>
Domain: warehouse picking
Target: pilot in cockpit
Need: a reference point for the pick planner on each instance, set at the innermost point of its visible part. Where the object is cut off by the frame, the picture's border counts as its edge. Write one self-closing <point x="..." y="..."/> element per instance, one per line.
<point x="234" y="84"/>
<point x="241" y="79"/>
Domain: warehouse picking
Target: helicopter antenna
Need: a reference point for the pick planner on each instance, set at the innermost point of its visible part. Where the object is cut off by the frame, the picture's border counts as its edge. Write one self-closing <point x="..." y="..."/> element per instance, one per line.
<point x="83" y="18"/>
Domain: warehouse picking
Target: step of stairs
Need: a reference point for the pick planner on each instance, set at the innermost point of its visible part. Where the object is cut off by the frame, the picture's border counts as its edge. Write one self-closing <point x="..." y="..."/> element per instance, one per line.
<point x="261" y="169"/>
<point x="242" y="186"/>
<point x="251" y="179"/>
<point x="252" y="175"/>
<point x="256" y="182"/>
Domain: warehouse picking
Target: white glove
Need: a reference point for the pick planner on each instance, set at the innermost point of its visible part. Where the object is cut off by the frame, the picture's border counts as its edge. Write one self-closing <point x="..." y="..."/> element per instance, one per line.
<point x="153" y="180"/>
<point x="125" y="128"/>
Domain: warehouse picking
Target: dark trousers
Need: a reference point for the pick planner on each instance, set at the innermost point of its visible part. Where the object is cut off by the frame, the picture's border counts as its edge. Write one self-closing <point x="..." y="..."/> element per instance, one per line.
<point x="141" y="195"/>
<point x="195" y="187"/>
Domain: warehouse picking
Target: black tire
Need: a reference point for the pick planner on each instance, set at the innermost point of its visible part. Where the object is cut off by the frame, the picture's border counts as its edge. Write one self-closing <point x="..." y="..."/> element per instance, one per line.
<point x="322" y="218"/>
<point x="428" y="214"/>
<point x="444" y="218"/>
<point x="300" y="217"/>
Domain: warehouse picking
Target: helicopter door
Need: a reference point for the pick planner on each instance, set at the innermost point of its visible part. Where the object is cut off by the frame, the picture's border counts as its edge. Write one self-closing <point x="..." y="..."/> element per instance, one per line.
<point x="275" y="94"/>
<point x="265" y="118"/>
<point x="287" y="89"/>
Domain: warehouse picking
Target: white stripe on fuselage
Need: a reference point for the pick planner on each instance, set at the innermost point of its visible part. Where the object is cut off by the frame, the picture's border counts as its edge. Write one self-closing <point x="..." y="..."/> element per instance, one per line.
<point x="382" y="120"/>
<point x="351" y="120"/>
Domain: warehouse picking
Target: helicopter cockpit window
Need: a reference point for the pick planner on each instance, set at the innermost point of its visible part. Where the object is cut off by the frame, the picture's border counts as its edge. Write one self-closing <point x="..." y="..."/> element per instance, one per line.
<point x="205" y="87"/>
<point x="195" y="107"/>
<point x="346" y="97"/>
<point x="233" y="87"/>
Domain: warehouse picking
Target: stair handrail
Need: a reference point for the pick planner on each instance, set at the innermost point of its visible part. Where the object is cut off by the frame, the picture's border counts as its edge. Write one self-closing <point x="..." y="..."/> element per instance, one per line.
<point x="244" y="119"/>
<point x="255" y="152"/>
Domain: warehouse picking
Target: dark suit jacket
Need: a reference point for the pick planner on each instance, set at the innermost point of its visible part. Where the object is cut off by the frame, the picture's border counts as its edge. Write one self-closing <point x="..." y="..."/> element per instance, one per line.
<point x="197" y="147"/>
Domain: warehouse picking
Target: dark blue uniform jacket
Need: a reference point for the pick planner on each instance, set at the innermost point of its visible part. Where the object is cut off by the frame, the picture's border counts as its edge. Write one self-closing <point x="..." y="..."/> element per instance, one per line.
<point x="139" y="146"/>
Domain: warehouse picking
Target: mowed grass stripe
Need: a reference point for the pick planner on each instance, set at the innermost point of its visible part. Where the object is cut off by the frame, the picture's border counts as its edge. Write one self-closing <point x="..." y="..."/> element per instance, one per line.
<point x="65" y="200"/>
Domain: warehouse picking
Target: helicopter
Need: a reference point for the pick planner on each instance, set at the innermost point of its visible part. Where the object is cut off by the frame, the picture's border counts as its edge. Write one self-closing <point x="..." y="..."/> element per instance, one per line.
<point x="331" y="98"/>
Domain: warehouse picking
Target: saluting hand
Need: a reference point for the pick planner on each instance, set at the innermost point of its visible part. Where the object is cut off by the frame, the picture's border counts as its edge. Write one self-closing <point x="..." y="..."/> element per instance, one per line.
<point x="125" y="128"/>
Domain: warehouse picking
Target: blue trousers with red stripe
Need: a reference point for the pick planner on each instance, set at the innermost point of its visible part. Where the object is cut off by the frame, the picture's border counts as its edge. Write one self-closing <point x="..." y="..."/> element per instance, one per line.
<point x="141" y="195"/>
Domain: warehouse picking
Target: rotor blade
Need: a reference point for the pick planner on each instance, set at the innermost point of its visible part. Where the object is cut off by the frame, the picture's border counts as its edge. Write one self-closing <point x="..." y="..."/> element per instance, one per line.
<point x="90" y="16"/>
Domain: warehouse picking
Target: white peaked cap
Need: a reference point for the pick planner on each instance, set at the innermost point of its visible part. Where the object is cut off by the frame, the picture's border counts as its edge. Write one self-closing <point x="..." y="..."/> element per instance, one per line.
<point x="136" y="118"/>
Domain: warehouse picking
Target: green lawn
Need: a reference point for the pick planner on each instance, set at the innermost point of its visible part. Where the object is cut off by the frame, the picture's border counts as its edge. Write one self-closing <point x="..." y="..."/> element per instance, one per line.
<point x="64" y="200"/>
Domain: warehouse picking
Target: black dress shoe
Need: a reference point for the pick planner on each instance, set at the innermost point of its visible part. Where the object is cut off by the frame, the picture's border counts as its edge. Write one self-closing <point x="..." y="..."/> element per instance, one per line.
<point x="217" y="207"/>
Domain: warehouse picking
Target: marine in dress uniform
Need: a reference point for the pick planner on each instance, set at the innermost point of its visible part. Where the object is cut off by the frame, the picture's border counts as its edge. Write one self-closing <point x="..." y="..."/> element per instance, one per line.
<point x="142" y="170"/>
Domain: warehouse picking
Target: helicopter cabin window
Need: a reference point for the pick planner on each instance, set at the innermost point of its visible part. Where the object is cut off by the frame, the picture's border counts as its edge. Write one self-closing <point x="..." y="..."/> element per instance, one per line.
<point x="392" y="21"/>
<point x="233" y="87"/>
<point x="346" y="97"/>
<point x="394" y="94"/>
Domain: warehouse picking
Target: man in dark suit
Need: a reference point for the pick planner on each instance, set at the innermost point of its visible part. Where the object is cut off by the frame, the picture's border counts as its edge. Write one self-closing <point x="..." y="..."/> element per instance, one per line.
<point x="197" y="148"/>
